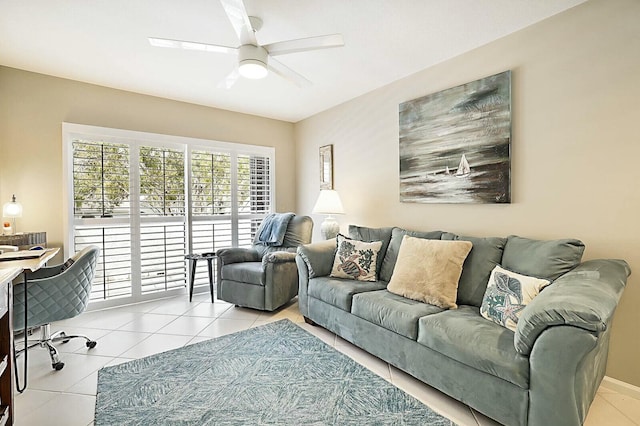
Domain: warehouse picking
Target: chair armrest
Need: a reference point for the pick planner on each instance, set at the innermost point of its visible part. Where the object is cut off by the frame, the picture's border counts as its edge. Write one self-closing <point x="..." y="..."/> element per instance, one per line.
<point x="585" y="297"/>
<point x="318" y="257"/>
<point x="278" y="257"/>
<point x="237" y="255"/>
<point x="45" y="272"/>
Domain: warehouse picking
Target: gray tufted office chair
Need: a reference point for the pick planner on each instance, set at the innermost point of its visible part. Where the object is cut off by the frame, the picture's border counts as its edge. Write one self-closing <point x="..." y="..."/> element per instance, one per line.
<point x="55" y="293"/>
<point x="263" y="277"/>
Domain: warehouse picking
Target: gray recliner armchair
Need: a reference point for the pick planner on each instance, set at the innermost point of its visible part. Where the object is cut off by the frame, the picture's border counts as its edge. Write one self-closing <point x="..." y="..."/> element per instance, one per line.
<point x="53" y="294"/>
<point x="263" y="277"/>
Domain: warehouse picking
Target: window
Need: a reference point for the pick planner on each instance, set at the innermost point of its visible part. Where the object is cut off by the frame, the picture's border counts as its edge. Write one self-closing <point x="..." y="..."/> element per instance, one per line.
<point x="146" y="200"/>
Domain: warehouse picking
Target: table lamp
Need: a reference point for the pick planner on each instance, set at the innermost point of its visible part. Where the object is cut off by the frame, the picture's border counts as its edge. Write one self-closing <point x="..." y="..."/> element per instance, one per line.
<point x="11" y="210"/>
<point x="329" y="203"/>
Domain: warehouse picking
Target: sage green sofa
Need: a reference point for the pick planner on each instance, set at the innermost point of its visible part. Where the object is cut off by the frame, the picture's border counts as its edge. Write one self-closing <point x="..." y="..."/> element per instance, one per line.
<point x="546" y="373"/>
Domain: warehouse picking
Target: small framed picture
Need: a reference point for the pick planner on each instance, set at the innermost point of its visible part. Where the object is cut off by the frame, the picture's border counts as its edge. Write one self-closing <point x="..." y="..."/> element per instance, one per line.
<point x="326" y="167"/>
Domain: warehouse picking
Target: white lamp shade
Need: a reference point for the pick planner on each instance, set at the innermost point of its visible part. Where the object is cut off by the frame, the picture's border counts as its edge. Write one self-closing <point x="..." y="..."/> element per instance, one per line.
<point x="12" y="208"/>
<point x="328" y="203"/>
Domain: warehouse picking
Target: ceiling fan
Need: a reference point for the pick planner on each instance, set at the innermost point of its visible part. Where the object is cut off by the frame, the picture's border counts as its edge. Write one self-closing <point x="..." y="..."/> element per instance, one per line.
<point x="255" y="60"/>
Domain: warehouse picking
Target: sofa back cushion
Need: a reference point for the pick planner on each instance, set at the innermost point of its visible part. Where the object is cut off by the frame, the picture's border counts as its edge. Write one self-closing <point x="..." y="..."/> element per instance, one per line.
<point x="391" y="256"/>
<point x="369" y="235"/>
<point x="485" y="255"/>
<point x="542" y="259"/>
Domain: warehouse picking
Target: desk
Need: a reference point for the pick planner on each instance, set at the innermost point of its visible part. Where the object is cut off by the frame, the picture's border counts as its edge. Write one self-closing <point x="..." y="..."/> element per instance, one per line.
<point x="6" y="344"/>
<point x="31" y="264"/>
<point x="8" y="271"/>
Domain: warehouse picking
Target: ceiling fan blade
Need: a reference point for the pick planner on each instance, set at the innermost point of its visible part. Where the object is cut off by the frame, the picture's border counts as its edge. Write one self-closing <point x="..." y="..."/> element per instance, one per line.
<point x="305" y="44"/>
<point x="287" y="73"/>
<point x="191" y="45"/>
<point x="240" y="21"/>
<point x="229" y="80"/>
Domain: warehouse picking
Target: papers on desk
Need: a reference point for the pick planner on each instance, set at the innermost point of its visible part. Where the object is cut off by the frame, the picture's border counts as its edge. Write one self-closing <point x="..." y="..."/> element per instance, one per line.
<point x="21" y="255"/>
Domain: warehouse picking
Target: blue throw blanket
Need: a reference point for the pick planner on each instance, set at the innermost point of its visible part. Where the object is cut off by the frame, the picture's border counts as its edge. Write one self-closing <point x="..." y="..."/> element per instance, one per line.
<point x="273" y="228"/>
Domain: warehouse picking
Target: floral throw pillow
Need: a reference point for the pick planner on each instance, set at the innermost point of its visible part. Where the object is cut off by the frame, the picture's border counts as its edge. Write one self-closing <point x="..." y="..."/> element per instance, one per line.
<point x="355" y="260"/>
<point x="508" y="293"/>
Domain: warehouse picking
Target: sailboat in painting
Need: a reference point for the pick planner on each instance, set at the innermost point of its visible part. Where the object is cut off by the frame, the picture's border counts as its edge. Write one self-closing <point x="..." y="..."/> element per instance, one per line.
<point x="463" y="169"/>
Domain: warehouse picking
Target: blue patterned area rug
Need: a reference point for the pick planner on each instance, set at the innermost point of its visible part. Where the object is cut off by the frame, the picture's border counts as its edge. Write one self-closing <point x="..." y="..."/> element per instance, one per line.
<point x="275" y="374"/>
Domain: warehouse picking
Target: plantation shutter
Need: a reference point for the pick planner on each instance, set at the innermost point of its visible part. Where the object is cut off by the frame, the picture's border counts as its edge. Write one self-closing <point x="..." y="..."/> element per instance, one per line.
<point x="211" y="206"/>
<point x="253" y="194"/>
<point x="101" y="210"/>
<point x="100" y="179"/>
<point x="145" y="204"/>
<point x="162" y="219"/>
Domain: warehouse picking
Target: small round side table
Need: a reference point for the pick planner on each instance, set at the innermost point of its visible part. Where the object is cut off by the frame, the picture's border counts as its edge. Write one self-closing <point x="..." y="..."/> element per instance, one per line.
<point x="193" y="259"/>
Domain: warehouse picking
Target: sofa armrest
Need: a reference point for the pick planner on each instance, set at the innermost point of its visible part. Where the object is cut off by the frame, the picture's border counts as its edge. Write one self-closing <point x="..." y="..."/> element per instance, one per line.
<point x="237" y="255"/>
<point x="312" y="260"/>
<point x="318" y="257"/>
<point x="585" y="298"/>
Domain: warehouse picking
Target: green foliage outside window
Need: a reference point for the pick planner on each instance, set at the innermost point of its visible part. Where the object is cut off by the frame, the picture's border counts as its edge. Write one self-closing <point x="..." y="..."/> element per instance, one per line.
<point x="101" y="181"/>
<point x="161" y="181"/>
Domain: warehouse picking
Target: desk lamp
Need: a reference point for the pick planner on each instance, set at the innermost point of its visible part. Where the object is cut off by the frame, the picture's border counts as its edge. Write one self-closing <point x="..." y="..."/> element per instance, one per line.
<point x="11" y="210"/>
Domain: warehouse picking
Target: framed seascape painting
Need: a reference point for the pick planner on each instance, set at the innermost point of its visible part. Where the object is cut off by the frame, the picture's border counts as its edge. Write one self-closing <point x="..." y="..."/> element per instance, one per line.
<point x="455" y="145"/>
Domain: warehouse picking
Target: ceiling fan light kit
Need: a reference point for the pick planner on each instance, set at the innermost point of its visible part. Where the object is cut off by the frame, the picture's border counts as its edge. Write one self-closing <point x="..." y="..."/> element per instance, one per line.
<point x="253" y="59"/>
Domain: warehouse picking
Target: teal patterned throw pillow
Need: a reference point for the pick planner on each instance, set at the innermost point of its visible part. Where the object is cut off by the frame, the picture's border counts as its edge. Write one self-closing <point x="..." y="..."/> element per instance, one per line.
<point x="508" y="293"/>
<point x="355" y="260"/>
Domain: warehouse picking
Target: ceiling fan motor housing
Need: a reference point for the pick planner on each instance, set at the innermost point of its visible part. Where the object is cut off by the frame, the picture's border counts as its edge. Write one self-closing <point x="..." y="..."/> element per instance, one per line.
<point x="253" y="61"/>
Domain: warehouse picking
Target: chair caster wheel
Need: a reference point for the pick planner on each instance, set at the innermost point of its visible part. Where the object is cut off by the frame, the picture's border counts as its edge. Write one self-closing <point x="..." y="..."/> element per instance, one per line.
<point x="58" y="365"/>
<point x="91" y="344"/>
<point x="63" y="334"/>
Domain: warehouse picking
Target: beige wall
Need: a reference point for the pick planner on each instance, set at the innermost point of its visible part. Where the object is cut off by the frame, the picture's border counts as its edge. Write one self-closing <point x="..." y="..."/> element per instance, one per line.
<point x="33" y="106"/>
<point x="576" y="107"/>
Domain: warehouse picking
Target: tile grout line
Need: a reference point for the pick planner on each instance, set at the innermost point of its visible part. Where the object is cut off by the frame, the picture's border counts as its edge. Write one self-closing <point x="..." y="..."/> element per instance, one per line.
<point x="619" y="411"/>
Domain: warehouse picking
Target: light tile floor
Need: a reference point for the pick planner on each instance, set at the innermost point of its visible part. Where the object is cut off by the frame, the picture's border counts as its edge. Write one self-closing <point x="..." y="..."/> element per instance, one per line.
<point x="67" y="397"/>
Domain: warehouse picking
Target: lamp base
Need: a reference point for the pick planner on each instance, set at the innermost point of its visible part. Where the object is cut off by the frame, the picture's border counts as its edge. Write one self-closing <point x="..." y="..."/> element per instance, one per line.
<point x="329" y="228"/>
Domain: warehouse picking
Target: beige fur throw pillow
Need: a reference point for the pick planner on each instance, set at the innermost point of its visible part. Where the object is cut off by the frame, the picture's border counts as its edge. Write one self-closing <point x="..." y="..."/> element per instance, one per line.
<point x="429" y="270"/>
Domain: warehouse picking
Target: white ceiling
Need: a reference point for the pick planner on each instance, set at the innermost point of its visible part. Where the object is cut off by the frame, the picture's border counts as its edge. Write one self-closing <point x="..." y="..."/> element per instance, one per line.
<point x="105" y="42"/>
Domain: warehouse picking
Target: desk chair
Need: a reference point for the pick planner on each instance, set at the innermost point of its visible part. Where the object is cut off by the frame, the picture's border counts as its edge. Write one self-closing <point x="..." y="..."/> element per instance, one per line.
<point x="55" y="293"/>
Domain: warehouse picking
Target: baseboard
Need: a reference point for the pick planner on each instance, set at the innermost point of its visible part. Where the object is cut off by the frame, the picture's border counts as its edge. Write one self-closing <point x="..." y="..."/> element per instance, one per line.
<point x="621" y="387"/>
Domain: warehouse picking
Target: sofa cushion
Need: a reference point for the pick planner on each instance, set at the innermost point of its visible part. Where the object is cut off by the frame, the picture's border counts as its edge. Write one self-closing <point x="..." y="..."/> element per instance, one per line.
<point x="245" y="272"/>
<point x="338" y="292"/>
<point x="373" y="234"/>
<point x="429" y="270"/>
<point x="542" y="259"/>
<point x="483" y="257"/>
<point x="390" y="311"/>
<point x="391" y="256"/>
<point x="508" y="293"/>
<point x="355" y="260"/>
<point x="465" y="336"/>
